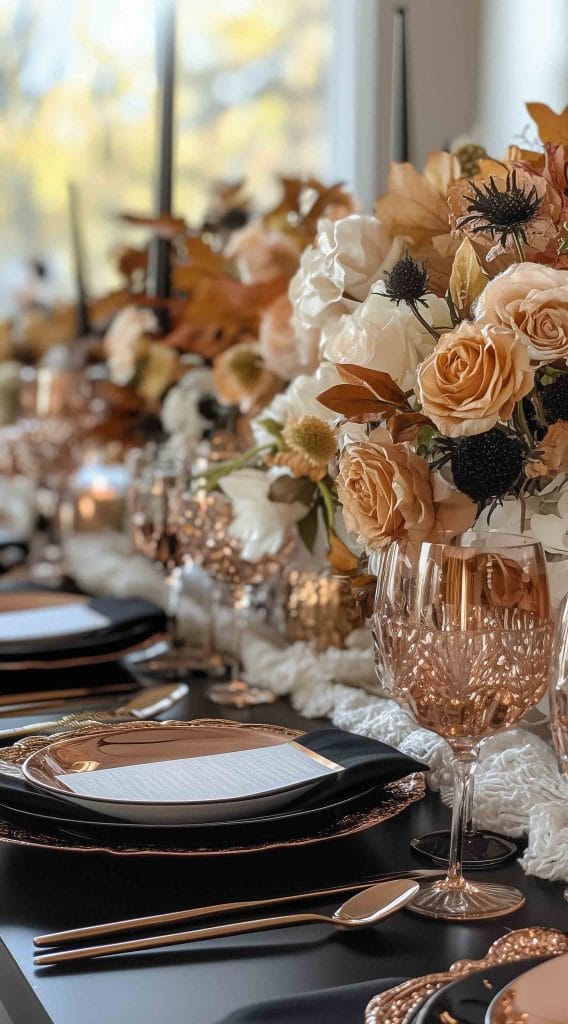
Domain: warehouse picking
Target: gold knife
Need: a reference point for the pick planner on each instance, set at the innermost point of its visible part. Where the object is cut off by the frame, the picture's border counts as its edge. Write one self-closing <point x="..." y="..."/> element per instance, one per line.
<point x="146" y="703"/>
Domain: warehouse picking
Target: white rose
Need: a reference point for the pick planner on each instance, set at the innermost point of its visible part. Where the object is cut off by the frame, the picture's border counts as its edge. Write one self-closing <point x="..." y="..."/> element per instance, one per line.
<point x="180" y="411"/>
<point x="259" y="524"/>
<point x="349" y="255"/>
<point x="123" y="342"/>
<point x="385" y="336"/>
<point x="299" y="399"/>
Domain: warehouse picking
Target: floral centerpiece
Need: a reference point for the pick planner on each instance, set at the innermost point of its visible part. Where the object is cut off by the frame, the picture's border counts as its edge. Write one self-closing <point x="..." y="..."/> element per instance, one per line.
<point x="441" y="323"/>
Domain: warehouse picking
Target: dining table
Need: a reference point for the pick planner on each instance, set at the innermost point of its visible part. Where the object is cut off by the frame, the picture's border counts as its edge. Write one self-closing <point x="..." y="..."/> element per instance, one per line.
<point x="203" y="983"/>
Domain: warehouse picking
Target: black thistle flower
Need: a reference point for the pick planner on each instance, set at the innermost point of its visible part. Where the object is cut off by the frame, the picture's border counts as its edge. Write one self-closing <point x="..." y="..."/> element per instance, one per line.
<point x="502" y="213"/>
<point x="407" y="281"/>
<point x="554" y="400"/>
<point x="487" y="465"/>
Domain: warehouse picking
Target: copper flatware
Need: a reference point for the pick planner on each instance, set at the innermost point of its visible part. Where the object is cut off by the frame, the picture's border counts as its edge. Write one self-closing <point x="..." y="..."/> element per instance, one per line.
<point x="136" y="924"/>
<point x="365" y="909"/>
<point x="146" y="703"/>
<point x="23" y="703"/>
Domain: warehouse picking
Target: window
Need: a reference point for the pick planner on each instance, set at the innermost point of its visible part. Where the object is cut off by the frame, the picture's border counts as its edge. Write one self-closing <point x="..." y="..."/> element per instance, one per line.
<point x="77" y="101"/>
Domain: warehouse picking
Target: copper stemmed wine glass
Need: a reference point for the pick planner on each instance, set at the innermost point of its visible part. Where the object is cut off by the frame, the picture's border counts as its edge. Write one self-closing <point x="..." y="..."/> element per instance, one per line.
<point x="558" y="691"/>
<point x="154" y="512"/>
<point x="462" y="640"/>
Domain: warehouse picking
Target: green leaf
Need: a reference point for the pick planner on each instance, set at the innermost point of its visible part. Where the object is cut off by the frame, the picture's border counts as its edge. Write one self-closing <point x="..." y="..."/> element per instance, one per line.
<point x="271" y="426"/>
<point x="327" y="505"/>
<point x="308" y="528"/>
<point x="292" y="488"/>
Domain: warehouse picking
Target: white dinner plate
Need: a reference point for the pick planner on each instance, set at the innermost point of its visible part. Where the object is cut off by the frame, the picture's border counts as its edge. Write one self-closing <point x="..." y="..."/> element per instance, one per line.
<point x="172" y="773"/>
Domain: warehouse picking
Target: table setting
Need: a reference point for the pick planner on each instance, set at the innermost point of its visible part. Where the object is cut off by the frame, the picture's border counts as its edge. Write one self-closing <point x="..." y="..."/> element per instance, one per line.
<point x="284" y="606"/>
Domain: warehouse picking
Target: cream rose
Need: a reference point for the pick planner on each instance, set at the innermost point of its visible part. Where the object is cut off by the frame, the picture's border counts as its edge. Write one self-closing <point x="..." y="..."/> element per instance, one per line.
<point x="125" y="342"/>
<point x="386" y="337"/>
<point x="337" y="272"/>
<point x="473" y="378"/>
<point x="385" y="492"/>
<point x="532" y="300"/>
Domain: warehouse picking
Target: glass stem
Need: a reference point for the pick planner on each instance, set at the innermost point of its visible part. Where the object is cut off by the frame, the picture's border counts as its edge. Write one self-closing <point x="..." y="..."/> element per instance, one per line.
<point x="464" y="767"/>
<point x="242" y="606"/>
<point x="174" y="589"/>
<point x="469" y="826"/>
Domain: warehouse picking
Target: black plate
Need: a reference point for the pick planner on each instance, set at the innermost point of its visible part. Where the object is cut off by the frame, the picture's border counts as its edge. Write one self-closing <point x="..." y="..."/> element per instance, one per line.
<point x="319" y="813"/>
<point x="467" y="1000"/>
<point x="131" y="622"/>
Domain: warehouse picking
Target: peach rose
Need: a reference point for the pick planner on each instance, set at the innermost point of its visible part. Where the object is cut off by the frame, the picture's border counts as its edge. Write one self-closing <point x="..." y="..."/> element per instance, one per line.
<point x="278" y="345"/>
<point x="261" y="254"/>
<point x="532" y="300"/>
<point x="473" y="378"/>
<point x="385" y="492"/>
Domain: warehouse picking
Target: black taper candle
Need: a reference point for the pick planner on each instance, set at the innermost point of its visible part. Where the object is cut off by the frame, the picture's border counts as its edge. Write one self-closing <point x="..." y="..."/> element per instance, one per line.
<point x="159" y="283"/>
<point x="82" y="323"/>
<point x="399" y="141"/>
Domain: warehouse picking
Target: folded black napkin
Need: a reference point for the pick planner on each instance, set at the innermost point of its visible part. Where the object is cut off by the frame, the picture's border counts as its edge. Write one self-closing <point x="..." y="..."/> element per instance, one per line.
<point x="13" y="549"/>
<point x="346" y="1004"/>
<point x="365" y="760"/>
<point x="130" y="621"/>
<point x="368" y="763"/>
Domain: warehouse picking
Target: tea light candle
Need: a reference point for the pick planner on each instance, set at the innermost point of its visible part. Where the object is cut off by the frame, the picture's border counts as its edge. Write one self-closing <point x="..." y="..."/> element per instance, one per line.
<point x="97" y="499"/>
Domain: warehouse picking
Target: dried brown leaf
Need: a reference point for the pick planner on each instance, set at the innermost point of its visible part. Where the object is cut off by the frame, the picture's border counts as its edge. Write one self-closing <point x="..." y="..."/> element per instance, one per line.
<point x="355" y="402"/>
<point x="551" y="127"/>
<point x="405" y="426"/>
<point x="467" y="279"/>
<point x="165" y="225"/>
<point x="381" y="384"/>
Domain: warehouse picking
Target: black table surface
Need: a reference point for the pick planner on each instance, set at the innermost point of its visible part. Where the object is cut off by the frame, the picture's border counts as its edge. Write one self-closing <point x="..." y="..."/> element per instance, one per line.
<point x="44" y="891"/>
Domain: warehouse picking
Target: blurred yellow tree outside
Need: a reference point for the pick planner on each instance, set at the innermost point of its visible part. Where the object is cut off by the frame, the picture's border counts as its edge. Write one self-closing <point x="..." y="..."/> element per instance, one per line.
<point x="78" y="101"/>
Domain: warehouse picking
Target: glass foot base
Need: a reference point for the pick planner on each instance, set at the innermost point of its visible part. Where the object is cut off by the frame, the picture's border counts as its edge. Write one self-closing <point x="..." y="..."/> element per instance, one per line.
<point x="468" y="902"/>
<point x="176" y="663"/>
<point x="481" y="850"/>
<point x="239" y="694"/>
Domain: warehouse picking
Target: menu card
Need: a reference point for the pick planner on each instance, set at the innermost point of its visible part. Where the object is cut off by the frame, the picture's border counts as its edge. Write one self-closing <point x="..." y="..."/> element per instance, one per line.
<point x="42" y="623"/>
<point x="215" y="777"/>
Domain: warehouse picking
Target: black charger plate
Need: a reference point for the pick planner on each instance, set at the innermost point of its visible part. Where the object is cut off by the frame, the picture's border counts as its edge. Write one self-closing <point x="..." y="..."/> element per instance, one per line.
<point x="289" y="823"/>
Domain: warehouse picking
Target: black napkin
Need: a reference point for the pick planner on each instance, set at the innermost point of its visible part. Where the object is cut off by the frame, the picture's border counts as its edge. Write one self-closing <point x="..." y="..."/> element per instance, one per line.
<point x="131" y="620"/>
<point x="346" y="1004"/>
<point x="13" y="549"/>
<point x="367" y="762"/>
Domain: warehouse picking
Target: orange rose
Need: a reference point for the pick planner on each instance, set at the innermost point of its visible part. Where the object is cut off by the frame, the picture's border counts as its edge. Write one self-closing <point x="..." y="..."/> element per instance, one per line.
<point x="532" y="300"/>
<point x="473" y="378"/>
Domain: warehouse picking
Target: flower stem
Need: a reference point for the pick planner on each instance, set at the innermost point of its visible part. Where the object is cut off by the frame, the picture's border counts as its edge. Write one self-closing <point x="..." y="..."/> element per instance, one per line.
<point x="422" y="320"/>
<point x="216" y="473"/>
<point x="519" y="247"/>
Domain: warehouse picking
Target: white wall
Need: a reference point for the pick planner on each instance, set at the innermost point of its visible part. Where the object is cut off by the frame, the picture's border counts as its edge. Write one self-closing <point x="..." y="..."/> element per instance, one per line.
<point x="471" y="64"/>
<point x="524" y="56"/>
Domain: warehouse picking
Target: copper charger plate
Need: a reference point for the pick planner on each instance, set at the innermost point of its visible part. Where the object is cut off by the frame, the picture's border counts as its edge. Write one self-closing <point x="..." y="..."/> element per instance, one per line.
<point x="390" y="801"/>
<point x="402" y="1004"/>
